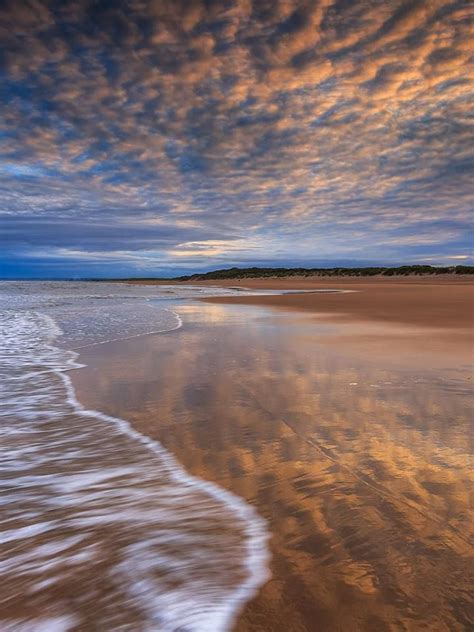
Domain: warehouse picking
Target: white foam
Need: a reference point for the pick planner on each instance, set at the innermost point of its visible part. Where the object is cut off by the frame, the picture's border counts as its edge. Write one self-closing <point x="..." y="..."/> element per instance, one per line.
<point x="12" y="535"/>
<point x="179" y="324"/>
<point x="89" y="497"/>
<point x="51" y="624"/>
<point x="216" y="619"/>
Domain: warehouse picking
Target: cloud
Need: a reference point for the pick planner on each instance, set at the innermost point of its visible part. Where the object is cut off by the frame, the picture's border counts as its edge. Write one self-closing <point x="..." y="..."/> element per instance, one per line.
<point x="282" y="122"/>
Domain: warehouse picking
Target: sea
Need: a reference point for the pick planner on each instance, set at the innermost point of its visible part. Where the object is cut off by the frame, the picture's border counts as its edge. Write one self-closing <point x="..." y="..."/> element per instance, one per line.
<point x="101" y="527"/>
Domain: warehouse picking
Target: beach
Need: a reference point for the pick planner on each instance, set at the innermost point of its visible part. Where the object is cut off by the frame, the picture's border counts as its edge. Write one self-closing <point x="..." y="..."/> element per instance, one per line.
<point x="102" y="527"/>
<point x="343" y="419"/>
<point x="425" y="301"/>
<point x="236" y="316"/>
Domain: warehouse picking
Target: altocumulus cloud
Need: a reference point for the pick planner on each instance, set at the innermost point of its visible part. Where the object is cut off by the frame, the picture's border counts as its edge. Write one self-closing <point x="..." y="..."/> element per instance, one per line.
<point x="150" y="136"/>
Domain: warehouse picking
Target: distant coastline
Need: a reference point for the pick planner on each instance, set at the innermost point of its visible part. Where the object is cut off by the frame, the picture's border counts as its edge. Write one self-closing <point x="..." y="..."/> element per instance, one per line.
<point x="237" y="274"/>
<point x="262" y="273"/>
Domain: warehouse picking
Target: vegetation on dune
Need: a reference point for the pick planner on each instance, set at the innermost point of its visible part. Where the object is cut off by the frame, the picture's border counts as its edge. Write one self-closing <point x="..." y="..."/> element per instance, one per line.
<point x="259" y="273"/>
<point x="249" y="273"/>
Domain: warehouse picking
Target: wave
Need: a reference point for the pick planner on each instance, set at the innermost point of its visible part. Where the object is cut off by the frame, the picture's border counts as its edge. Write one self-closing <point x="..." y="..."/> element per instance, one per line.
<point x="101" y="520"/>
<point x="179" y="324"/>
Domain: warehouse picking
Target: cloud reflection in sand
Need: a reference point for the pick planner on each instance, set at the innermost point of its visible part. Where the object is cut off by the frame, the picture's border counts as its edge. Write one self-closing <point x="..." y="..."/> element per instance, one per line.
<point x="360" y="466"/>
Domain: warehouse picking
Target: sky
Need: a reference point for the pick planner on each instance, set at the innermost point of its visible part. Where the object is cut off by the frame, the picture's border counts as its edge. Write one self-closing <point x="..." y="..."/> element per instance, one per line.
<point x="161" y="137"/>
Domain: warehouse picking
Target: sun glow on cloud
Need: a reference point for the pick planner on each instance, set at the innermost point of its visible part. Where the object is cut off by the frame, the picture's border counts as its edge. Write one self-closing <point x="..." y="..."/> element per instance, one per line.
<point x="192" y="134"/>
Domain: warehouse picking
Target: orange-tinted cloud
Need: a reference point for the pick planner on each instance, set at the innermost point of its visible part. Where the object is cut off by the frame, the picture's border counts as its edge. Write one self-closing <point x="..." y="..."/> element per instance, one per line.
<point x="288" y="123"/>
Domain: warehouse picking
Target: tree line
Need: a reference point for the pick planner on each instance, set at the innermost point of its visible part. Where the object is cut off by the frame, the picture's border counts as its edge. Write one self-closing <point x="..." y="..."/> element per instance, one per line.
<point x="254" y="272"/>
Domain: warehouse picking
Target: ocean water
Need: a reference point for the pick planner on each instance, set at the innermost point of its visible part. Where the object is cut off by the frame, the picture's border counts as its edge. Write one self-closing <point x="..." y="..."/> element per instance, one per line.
<point x="102" y="529"/>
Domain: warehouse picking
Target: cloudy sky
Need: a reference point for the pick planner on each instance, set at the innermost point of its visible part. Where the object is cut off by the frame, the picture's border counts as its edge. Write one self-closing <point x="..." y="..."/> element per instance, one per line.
<point x="150" y="137"/>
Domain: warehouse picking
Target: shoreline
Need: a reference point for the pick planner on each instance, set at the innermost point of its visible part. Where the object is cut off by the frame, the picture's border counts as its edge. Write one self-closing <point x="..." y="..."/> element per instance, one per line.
<point x="437" y="302"/>
<point x="277" y="281"/>
<point x="426" y="303"/>
<point x="296" y="427"/>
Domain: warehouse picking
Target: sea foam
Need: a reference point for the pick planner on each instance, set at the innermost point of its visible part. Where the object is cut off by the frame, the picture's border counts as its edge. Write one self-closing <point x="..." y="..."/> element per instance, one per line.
<point x="100" y="522"/>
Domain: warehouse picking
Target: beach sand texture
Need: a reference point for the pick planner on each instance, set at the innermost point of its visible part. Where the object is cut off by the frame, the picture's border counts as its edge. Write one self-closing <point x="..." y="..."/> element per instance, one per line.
<point x="351" y="436"/>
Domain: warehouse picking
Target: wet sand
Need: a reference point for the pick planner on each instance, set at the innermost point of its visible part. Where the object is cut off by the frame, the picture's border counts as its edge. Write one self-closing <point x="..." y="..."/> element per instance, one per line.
<point x="438" y="302"/>
<point x="358" y="459"/>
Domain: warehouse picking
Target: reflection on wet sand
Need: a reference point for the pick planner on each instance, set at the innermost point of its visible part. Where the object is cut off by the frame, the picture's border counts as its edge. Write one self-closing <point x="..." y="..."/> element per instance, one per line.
<point x="361" y="466"/>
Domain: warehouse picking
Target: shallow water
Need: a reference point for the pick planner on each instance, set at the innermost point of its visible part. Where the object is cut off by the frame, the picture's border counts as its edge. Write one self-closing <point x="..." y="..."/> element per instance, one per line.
<point x="356" y="462"/>
<point x="360" y="462"/>
<point x="101" y="528"/>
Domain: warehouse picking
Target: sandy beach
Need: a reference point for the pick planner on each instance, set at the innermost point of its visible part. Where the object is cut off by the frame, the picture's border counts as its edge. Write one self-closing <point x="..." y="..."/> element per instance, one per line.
<point x="236" y="316"/>
<point x="344" y="419"/>
<point x="438" y="302"/>
<point x="428" y="318"/>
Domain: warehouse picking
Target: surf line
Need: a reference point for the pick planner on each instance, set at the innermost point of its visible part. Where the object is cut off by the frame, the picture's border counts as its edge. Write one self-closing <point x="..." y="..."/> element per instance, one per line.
<point x="256" y="531"/>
